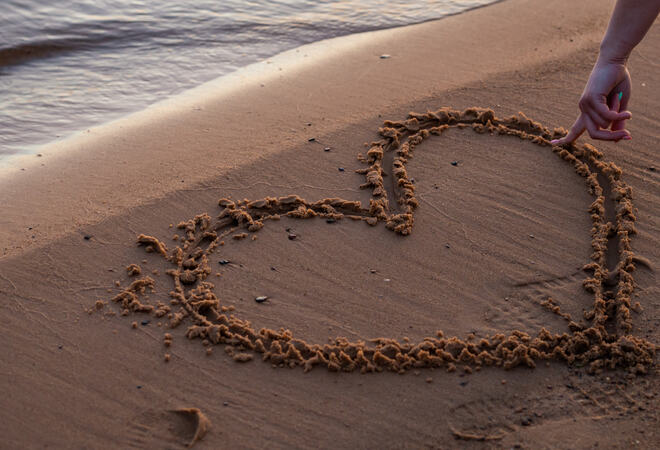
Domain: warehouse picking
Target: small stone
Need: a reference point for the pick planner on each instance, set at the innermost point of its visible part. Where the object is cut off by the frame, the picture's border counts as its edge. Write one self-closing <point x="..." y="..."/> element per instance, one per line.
<point x="87" y="237"/>
<point x="463" y="383"/>
<point x="531" y="236"/>
<point x="385" y="56"/>
<point x="145" y="322"/>
<point x="309" y="124"/>
<point x="341" y="169"/>
<point x="261" y="299"/>
<point x="60" y="346"/>
<point x="526" y="421"/>
<point x="311" y="140"/>
<point x="223" y="262"/>
<point x="327" y="149"/>
<point x="225" y="403"/>
<point x="454" y="163"/>
<point x="387" y="280"/>
<point x="429" y="380"/>
<point x="273" y="269"/>
<point x="139" y="386"/>
<point x="330" y="220"/>
<point x="372" y="270"/>
<point x="292" y="237"/>
<point x="652" y="169"/>
<point x="447" y="245"/>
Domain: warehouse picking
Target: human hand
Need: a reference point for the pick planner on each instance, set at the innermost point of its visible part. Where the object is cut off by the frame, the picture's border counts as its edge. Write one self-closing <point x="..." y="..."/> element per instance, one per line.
<point x="603" y="105"/>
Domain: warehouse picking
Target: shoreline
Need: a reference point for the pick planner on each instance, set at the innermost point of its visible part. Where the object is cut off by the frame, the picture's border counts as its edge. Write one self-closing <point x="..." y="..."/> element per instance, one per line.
<point x="230" y="82"/>
<point x="244" y="78"/>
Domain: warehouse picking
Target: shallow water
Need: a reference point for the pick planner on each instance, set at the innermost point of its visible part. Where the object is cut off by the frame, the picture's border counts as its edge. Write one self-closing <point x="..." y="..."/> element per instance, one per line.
<point x="68" y="64"/>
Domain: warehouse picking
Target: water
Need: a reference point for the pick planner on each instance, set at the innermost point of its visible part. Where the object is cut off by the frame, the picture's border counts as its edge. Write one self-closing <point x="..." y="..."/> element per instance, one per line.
<point x="68" y="64"/>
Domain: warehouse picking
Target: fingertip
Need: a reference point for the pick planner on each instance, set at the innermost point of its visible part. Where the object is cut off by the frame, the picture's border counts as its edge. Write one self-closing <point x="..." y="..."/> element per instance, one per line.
<point x="616" y="116"/>
<point x="622" y="135"/>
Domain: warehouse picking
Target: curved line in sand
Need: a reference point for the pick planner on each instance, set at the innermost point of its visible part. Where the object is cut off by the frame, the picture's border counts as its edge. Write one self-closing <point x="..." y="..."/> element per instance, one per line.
<point x="604" y="341"/>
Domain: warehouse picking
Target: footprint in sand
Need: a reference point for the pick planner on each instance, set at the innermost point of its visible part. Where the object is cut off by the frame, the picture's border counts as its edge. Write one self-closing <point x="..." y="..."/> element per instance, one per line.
<point x="601" y="339"/>
<point x="168" y="429"/>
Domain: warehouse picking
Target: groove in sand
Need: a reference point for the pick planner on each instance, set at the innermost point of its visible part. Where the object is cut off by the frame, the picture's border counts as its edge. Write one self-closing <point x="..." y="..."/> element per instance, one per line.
<point x="603" y="339"/>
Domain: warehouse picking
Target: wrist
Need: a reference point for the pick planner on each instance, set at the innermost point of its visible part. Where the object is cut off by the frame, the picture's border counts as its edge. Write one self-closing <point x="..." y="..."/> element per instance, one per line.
<point x="614" y="53"/>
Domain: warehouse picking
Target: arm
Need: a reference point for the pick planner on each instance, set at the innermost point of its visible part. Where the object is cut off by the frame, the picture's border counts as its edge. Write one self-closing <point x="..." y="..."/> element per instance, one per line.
<point x="605" y="98"/>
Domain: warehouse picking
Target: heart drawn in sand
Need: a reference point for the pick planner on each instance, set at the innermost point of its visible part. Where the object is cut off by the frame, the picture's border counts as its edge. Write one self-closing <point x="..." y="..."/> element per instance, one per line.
<point x="603" y="339"/>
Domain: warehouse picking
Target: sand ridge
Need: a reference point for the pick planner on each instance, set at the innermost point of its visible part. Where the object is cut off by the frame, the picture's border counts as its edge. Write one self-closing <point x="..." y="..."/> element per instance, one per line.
<point x="602" y="339"/>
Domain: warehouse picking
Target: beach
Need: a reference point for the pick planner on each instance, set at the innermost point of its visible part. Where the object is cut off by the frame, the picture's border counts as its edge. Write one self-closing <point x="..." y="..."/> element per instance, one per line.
<point x="112" y="338"/>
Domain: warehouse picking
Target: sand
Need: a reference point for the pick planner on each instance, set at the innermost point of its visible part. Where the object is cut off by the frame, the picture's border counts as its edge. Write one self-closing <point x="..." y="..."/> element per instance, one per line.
<point x="481" y="289"/>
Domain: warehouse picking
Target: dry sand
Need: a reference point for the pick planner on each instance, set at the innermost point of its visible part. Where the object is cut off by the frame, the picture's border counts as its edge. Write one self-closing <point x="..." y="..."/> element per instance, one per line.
<point x="500" y="225"/>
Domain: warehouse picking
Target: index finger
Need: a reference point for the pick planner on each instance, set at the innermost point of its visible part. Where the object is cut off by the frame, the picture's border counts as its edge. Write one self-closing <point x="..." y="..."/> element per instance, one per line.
<point x="575" y="132"/>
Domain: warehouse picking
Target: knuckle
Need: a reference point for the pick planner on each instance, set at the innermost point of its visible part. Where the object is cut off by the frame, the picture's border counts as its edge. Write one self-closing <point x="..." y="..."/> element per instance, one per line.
<point x="583" y="103"/>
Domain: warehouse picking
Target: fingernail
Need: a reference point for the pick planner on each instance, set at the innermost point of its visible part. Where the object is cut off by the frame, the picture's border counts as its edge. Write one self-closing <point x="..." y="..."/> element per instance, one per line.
<point x="620" y="95"/>
<point x="627" y="138"/>
<point x="554" y="141"/>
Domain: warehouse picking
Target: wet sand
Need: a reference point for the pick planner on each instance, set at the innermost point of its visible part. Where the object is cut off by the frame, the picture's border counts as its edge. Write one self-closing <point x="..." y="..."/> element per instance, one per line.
<point x="408" y="312"/>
